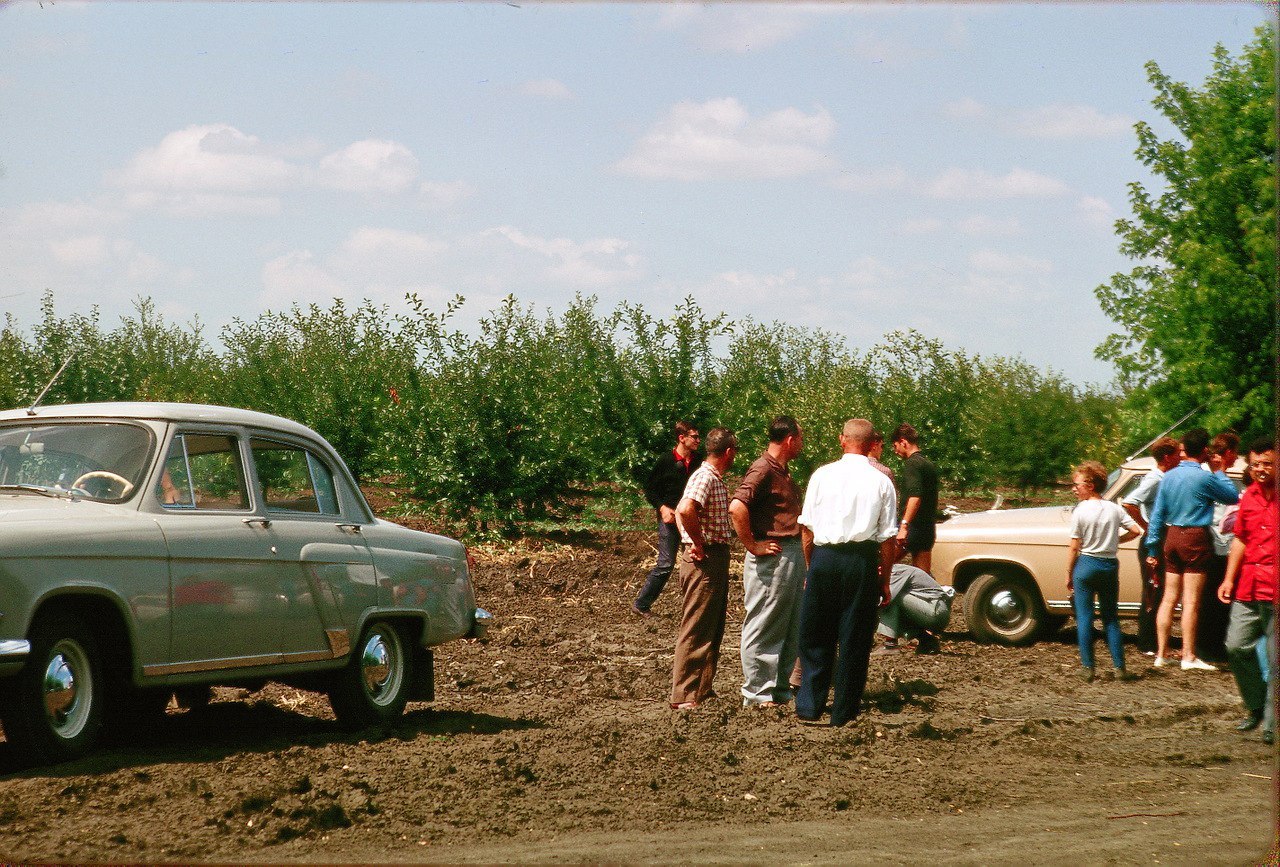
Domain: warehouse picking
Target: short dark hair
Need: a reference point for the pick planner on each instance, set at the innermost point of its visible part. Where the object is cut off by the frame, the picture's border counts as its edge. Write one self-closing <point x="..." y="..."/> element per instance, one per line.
<point x="1164" y="447"/>
<point x="1227" y="441"/>
<point x="906" y="432"/>
<point x="1094" y="473"/>
<point x="877" y="438"/>
<point x="781" y="427"/>
<point x="683" y="427"/>
<point x="719" y="440"/>
<point x="1195" y="441"/>
<point x="1262" y="444"/>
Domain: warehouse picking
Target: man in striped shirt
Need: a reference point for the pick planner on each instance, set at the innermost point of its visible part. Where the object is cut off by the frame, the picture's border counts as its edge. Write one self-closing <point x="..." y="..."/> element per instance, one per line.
<point x="703" y="518"/>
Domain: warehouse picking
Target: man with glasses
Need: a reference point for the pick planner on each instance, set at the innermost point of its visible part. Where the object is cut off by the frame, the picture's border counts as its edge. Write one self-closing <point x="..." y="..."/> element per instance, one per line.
<point x="1250" y="587"/>
<point x="663" y="490"/>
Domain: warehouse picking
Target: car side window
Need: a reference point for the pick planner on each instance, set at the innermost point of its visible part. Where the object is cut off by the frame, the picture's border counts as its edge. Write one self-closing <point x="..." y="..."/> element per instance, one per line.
<point x="293" y="478"/>
<point x="1129" y="487"/>
<point x="203" y="471"/>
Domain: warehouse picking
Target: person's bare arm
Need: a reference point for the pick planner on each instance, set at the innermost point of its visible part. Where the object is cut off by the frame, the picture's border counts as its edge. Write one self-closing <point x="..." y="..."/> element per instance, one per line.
<point x="908" y="513"/>
<point x="806" y="544"/>
<point x="1135" y="512"/>
<point x="1129" y="534"/>
<point x="691" y="520"/>
<point x="888" y="555"/>
<point x="1235" y="559"/>
<point x="740" y="515"/>
<point x="1072" y="556"/>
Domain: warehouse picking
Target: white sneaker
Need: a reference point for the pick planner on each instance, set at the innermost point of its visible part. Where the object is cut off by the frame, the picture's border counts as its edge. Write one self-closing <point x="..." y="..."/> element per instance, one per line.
<point x="1160" y="662"/>
<point x="1197" y="665"/>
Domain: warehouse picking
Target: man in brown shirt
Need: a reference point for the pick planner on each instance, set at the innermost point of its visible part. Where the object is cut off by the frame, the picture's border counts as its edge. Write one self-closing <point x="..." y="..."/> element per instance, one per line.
<point x="764" y="512"/>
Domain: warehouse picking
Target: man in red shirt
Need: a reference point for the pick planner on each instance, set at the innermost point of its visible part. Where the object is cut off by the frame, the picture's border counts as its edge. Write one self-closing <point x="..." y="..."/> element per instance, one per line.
<point x="1250" y="586"/>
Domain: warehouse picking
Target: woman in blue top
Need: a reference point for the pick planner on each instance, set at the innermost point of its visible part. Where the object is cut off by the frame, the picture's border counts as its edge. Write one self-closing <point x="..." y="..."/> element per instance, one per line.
<point x="1094" y="568"/>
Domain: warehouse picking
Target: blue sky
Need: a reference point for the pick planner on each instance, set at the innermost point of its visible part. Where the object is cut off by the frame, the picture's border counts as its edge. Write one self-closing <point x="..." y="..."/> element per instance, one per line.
<point x="861" y="168"/>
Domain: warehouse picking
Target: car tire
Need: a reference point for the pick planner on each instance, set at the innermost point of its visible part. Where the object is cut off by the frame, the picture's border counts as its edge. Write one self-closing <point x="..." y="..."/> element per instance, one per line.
<point x="1002" y="607"/>
<point x="53" y="708"/>
<point x="374" y="686"/>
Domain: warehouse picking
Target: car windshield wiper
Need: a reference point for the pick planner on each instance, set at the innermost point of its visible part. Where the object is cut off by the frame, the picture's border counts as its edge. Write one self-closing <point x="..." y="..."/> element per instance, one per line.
<point x="37" y="489"/>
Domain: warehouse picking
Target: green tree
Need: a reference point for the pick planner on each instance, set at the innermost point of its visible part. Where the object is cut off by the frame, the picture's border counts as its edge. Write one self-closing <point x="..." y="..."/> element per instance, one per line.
<point x="1197" y="313"/>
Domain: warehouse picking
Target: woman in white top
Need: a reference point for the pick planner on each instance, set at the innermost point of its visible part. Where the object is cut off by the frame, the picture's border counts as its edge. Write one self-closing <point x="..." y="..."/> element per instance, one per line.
<point x="1094" y="569"/>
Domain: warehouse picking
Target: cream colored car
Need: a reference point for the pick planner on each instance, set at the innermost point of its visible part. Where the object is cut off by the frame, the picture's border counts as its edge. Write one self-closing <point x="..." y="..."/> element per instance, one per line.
<point x="1011" y="564"/>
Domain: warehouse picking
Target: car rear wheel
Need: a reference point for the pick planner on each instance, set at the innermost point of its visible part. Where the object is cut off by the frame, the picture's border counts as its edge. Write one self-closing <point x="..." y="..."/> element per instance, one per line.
<point x="1004" y="608"/>
<point x="52" y="709"/>
<point x="374" y="686"/>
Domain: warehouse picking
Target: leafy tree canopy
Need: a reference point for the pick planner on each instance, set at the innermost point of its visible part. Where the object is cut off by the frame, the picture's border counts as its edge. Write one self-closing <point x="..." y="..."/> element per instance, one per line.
<point x="1196" y="315"/>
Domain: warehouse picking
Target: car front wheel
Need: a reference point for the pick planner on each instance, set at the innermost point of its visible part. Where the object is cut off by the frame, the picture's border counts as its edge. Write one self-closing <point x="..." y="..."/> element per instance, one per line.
<point x="52" y="709"/>
<point x="374" y="686"/>
<point x="1003" y="608"/>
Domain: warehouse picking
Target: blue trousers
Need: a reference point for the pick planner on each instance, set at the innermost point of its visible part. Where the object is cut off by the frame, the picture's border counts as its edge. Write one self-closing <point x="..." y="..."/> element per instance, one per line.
<point x="668" y="544"/>
<point x="1100" y="577"/>
<point x="838" y="616"/>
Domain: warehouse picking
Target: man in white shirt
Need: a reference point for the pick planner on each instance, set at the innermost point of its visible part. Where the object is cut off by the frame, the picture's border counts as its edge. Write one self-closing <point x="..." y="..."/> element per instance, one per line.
<point x="849" y="529"/>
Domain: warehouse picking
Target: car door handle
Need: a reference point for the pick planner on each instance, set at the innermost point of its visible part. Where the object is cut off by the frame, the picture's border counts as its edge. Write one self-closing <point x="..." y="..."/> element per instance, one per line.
<point x="261" y="522"/>
<point x="349" y="528"/>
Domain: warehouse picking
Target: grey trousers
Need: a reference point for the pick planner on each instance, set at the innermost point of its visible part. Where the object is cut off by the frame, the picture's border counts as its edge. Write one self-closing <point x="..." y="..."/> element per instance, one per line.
<point x="1248" y="622"/>
<point x="909" y="613"/>
<point x="771" y="589"/>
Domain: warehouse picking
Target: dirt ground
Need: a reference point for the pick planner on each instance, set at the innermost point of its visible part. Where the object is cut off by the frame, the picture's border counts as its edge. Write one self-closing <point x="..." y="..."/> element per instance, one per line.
<point x="552" y="741"/>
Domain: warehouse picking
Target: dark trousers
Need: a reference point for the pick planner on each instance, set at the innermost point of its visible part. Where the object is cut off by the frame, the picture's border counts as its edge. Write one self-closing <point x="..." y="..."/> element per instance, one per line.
<point x="1211" y="635"/>
<point x="1152" y="589"/>
<point x="838" y="616"/>
<point x="668" y="544"/>
<point x="705" y="584"/>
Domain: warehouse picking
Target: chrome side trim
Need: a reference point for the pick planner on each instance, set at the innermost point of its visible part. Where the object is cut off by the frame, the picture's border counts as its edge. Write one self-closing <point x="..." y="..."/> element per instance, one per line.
<point x="1068" y="606"/>
<point x="339" y="642"/>
<point x="212" y="664"/>
<point x="307" y="656"/>
<point x="14" y="647"/>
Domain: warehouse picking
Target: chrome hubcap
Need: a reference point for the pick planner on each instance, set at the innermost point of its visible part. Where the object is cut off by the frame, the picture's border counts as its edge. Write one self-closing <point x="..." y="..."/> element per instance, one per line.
<point x="1006" y="609"/>
<point x="68" y="689"/>
<point x="380" y="668"/>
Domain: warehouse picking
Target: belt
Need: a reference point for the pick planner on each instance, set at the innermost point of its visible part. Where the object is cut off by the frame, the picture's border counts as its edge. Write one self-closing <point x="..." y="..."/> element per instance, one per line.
<point x="852" y="546"/>
<point x="706" y="545"/>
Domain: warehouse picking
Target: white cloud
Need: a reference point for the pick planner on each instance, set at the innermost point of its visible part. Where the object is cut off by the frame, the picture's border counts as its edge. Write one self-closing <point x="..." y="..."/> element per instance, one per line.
<point x="588" y="264"/>
<point x="995" y="262"/>
<point x="978" y="184"/>
<point x="296" y="278"/>
<point x="369" y="166"/>
<point x="81" y="252"/>
<point x="1061" y="121"/>
<point x="718" y="139"/>
<point x="1096" y="212"/>
<point x="967" y="108"/>
<point x="546" y="88"/>
<point x="983" y="226"/>
<point x="207" y="158"/>
<point x="870" y="180"/>
<point x="444" y="194"/>
<point x="740" y="28"/>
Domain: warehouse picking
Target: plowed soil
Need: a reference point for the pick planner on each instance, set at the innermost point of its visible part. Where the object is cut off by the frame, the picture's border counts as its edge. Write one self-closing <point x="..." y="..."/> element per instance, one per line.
<point x="552" y="741"/>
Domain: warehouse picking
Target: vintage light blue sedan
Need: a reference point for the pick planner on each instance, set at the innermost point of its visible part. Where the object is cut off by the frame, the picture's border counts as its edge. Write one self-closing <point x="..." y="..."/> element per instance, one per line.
<point x="154" y="548"/>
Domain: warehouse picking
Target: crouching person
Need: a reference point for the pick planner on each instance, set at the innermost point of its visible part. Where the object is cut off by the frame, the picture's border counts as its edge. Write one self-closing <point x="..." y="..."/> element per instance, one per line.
<point x="918" y="606"/>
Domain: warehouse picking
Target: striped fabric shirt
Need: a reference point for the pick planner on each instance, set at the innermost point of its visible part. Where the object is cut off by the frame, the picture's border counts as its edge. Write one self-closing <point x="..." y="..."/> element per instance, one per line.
<point x="706" y="488"/>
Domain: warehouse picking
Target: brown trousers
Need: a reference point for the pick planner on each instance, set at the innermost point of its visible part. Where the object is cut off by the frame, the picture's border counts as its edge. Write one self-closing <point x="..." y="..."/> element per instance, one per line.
<point x="705" y="585"/>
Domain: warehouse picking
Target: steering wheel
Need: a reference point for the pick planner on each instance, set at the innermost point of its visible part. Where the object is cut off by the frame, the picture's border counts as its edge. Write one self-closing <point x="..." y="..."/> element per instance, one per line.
<point x="125" y="485"/>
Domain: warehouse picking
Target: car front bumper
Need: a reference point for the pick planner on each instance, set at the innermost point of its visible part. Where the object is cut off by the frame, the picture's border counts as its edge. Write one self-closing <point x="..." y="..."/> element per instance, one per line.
<point x="13" y="653"/>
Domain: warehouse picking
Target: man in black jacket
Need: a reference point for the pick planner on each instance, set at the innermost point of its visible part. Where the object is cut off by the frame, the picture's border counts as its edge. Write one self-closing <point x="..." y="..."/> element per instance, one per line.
<point x="663" y="490"/>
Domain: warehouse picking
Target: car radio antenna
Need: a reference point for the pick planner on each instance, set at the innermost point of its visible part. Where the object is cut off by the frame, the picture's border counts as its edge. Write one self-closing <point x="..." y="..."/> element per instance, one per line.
<point x="1164" y="433"/>
<point x="32" y="409"/>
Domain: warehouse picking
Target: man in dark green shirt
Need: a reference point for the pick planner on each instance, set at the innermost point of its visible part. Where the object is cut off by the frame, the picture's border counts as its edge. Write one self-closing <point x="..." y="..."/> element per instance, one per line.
<point x="917" y="529"/>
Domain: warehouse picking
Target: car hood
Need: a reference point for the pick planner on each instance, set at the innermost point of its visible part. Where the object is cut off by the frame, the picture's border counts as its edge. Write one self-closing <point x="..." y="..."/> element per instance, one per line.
<point x="35" y="508"/>
<point x="1040" y="516"/>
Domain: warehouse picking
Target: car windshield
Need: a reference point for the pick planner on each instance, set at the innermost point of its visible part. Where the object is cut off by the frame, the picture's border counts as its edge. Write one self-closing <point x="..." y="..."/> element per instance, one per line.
<point x="96" y="460"/>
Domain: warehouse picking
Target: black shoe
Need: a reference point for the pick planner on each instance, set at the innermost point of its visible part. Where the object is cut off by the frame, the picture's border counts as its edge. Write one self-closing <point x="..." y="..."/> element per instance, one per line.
<point x="927" y="643"/>
<point x="1268" y="738"/>
<point x="1250" y="722"/>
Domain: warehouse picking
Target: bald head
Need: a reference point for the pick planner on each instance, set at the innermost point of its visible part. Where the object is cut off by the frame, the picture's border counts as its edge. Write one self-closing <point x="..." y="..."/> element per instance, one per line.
<point x="857" y="436"/>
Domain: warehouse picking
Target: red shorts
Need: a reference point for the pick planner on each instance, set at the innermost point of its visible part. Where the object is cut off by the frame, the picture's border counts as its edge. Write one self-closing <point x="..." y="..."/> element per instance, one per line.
<point x="1188" y="549"/>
